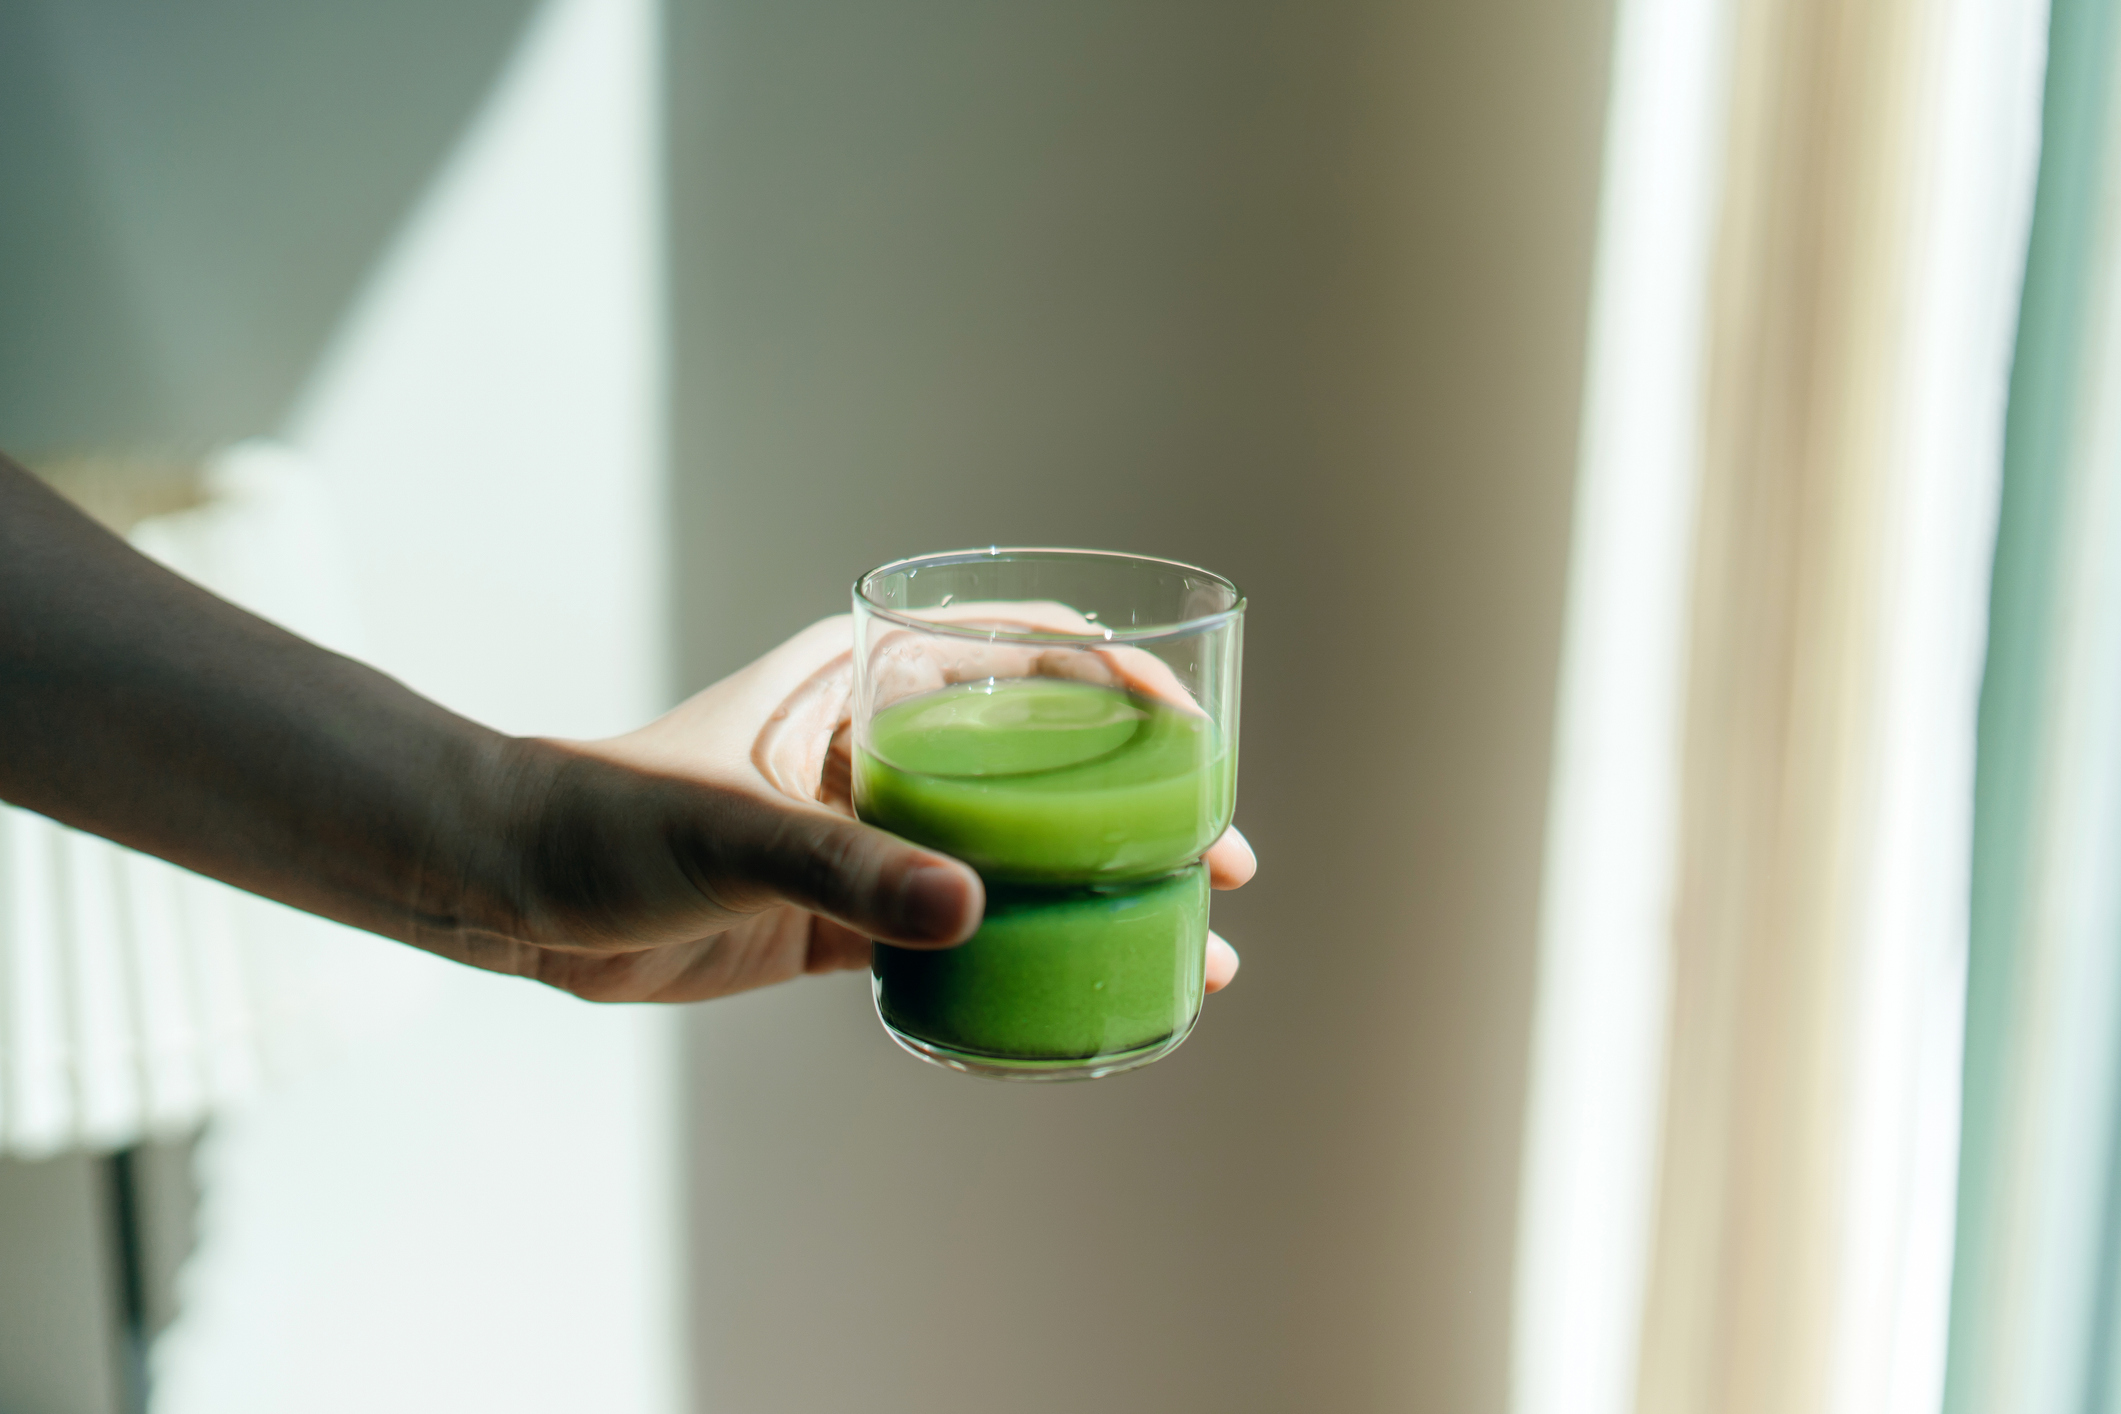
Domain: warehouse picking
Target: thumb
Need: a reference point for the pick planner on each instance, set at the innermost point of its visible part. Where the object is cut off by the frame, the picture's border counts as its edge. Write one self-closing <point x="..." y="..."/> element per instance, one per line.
<point x="870" y="880"/>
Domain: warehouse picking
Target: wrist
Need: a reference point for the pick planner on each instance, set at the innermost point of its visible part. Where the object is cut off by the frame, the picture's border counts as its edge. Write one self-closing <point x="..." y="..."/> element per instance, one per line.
<point x="560" y="845"/>
<point x="475" y="875"/>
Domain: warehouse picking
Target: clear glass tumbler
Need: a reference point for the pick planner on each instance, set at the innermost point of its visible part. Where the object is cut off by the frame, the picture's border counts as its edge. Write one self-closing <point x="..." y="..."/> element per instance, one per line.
<point x="1065" y="721"/>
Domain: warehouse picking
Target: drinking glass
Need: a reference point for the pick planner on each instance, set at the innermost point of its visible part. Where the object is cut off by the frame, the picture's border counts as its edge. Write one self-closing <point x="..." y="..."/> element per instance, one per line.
<point x="1064" y="721"/>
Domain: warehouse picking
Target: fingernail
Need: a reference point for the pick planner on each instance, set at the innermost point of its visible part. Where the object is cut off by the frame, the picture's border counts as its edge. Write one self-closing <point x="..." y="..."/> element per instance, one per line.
<point x="932" y="903"/>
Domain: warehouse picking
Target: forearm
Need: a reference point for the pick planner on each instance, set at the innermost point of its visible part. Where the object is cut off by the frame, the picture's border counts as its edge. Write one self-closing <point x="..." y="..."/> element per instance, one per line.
<point x="137" y="706"/>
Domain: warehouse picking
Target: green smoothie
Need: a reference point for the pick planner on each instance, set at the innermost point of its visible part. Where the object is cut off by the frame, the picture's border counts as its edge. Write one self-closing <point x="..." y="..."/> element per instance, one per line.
<point x="1086" y="809"/>
<point x="1053" y="975"/>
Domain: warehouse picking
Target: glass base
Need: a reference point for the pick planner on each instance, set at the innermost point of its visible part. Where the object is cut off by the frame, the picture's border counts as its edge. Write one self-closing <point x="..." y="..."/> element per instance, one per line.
<point x="994" y="1067"/>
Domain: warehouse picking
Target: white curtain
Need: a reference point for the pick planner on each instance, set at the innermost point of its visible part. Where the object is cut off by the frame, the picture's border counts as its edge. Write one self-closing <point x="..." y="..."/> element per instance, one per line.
<point x="1739" y="1164"/>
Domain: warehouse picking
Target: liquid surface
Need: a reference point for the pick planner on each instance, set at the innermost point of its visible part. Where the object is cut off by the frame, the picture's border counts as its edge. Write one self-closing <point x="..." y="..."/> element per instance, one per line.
<point x="1043" y="780"/>
<point x="1086" y="809"/>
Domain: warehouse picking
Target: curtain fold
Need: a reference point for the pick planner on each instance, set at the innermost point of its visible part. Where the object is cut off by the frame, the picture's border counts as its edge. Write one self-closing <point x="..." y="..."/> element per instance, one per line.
<point x="2034" y="1305"/>
<point x="1777" y="1239"/>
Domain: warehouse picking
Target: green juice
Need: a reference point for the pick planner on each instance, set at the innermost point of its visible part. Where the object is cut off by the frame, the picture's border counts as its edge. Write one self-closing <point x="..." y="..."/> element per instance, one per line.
<point x="1086" y="810"/>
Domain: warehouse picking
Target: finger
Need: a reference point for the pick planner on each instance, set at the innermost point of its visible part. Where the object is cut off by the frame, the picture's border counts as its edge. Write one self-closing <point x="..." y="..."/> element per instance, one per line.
<point x="918" y="664"/>
<point x="1231" y="863"/>
<point x="1222" y="963"/>
<point x="793" y="749"/>
<point x="1039" y="615"/>
<point x="795" y="680"/>
<point x="874" y="883"/>
<point x="1150" y="676"/>
<point x="835" y="783"/>
<point x="778" y="672"/>
<point x="765" y="949"/>
<point x="905" y="664"/>
<point x="835" y="948"/>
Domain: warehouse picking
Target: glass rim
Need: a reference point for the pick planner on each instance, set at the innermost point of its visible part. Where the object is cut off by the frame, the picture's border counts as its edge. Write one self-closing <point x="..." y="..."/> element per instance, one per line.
<point x="1149" y="633"/>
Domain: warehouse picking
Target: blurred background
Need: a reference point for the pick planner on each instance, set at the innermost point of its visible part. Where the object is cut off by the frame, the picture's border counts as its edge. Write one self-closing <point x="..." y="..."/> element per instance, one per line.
<point x="1294" y="292"/>
<point x="1608" y="409"/>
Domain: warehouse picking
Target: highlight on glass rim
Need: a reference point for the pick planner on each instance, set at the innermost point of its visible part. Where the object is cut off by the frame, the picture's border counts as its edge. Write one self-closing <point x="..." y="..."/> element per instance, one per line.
<point x="1617" y="915"/>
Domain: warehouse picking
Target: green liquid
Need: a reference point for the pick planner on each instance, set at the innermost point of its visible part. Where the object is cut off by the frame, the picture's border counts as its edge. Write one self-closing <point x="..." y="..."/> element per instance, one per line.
<point x="1086" y="810"/>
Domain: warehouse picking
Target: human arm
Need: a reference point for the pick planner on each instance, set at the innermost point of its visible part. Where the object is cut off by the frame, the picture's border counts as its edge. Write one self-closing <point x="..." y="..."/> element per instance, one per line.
<point x="668" y="864"/>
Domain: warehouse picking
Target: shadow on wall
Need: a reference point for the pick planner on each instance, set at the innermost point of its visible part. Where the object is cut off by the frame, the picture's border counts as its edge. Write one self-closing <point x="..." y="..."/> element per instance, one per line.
<point x="194" y="193"/>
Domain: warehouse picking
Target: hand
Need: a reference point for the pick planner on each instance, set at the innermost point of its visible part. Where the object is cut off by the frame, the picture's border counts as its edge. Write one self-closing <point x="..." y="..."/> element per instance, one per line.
<point x="715" y="850"/>
<point x="707" y="853"/>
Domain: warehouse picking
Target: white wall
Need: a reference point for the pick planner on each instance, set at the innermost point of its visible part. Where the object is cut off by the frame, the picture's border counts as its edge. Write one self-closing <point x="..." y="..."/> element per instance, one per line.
<point x="475" y="1211"/>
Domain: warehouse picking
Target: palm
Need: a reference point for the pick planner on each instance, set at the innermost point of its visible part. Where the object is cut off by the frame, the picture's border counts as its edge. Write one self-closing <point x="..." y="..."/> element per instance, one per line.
<point x="775" y="946"/>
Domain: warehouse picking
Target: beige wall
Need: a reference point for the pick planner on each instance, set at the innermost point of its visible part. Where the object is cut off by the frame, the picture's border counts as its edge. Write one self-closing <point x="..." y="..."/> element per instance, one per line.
<point x="1296" y="291"/>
